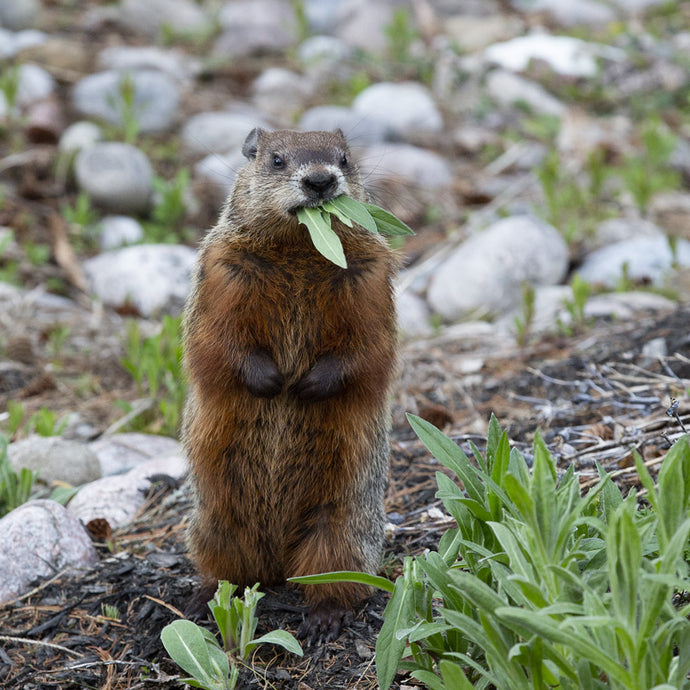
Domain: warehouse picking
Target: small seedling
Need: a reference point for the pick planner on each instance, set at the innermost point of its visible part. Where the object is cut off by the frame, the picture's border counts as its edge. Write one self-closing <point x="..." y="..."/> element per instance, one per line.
<point x="15" y="487"/>
<point x="348" y="211"/>
<point x="45" y="423"/>
<point x="128" y="110"/>
<point x="197" y="651"/>
<point x="170" y="208"/>
<point x="110" y="611"/>
<point x="523" y="323"/>
<point x="576" y="306"/>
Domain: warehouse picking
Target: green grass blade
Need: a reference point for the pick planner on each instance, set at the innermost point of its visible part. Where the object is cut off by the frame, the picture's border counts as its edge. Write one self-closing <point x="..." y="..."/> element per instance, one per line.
<point x="345" y="576"/>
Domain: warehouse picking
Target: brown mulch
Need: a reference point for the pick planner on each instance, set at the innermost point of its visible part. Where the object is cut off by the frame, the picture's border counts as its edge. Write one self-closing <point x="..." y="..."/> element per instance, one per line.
<point x="594" y="397"/>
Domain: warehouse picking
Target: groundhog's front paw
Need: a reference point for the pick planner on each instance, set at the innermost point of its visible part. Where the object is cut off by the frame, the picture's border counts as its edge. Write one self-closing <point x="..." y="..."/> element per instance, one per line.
<point x="262" y="377"/>
<point x="322" y="381"/>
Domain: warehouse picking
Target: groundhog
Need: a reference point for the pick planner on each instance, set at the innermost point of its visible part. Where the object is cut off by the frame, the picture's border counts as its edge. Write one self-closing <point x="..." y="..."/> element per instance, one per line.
<point x="290" y="360"/>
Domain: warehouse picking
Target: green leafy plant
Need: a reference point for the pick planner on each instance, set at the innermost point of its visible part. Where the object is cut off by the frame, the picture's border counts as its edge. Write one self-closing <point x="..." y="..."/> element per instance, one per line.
<point x="45" y="423"/>
<point x="128" y="109"/>
<point x="349" y="211"/>
<point x="82" y="219"/>
<point x="15" y="487"/>
<point x="197" y="651"/>
<point x="523" y="323"/>
<point x="9" y="85"/>
<point x="155" y="363"/>
<point x="168" y="214"/>
<point x="16" y="415"/>
<point x="10" y="268"/>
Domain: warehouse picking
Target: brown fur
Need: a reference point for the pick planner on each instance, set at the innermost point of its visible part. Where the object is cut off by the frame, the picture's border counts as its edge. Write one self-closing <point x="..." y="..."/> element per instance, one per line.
<point x="290" y="360"/>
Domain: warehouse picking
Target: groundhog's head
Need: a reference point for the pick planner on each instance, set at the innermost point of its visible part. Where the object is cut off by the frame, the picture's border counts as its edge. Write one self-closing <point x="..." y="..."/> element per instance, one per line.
<point x="289" y="170"/>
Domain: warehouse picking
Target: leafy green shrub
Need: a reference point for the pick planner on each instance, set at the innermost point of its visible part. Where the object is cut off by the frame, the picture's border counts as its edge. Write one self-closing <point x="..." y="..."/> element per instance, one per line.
<point x="155" y="364"/>
<point x="168" y="214"/>
<point x="15" y="487"/>
<point x="197" y="651"/>
<point x="539" y="586"/>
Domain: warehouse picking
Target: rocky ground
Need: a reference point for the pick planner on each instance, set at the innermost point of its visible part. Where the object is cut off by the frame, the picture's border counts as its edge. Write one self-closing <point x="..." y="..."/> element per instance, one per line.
<point x="541" y="150"/>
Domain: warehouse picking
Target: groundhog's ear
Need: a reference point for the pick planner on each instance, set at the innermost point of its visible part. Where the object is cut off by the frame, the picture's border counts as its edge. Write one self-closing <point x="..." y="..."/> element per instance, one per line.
<point x="339" y="133"/>
<point x="251" y="142"/>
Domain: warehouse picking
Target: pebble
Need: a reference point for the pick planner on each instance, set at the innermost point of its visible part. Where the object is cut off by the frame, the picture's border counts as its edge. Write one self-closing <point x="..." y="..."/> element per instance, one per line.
<point x="255" y="27"/>
<point x="361" y="24"/>
<point x="565" y="55"/>
<point x="118" y="498"/>
<point x="507" y="89"/>
<point x="156" y="98"/>
<point x="120" y="453"/>
<point x="359" y="130"/>
<point x="473" y="33"/>
<point x="79" y="135"/>
<point x="55" y="459"/>
<point x="323" y="15"/>
<point x="325" y="56"/>
<point x="152" y="16"/>
<point x="116" y="176"/>
<point x="177" y="65"/>
<point x="645" y="259"/>
<point x="37" y="540"/>
<point x="35" y="84"/>
<point x="19" y="14"/>
<point x="571" y="13"/>
<point x="281" y="93"/>
<point x="619" y="229"/>
<point x="119" y="231"/>
<point x="12" y="43"/>
<point x="484" y="274"/>
<point x="218" y="132"/>
<point x="152" y="279"/>
<point x="413" y="315"/>
<point x="422" y="168"/>
<point x="219" y="172"/>
<point x="406" y="108"/>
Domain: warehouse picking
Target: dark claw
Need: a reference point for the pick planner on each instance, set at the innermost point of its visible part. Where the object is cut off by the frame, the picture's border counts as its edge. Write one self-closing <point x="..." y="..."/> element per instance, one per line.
<point x="321" y="625"/>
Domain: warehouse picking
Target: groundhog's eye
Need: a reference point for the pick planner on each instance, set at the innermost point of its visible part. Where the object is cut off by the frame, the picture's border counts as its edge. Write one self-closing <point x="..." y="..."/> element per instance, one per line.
<point x="278" y="161"/>
<point x="343" y="161"/>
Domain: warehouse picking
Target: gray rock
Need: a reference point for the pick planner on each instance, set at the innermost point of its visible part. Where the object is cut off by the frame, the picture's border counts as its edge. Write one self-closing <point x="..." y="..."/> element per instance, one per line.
<point x="413" y="315"/>
<point x="156" y="98"/>
<point x="548" y="310"/>
<point x="361" y="25"/>
<point x="119" y="498"/>
<point x="564" y="54"/>
<point x="646" y="259"/>
<point x="281" y="93"/>
<point x="37" y="540"/>
<point x="119" y="231"/>
<point x="151" y="278"/>
<point x="116" y="176"/>
<point x="218" y="132"/>
<point x="405" y="108"/>
<point x="150" y="17"/>
<point x="619" y="229"/>
<point x="507" y="89"/>
<point x="325" y="56"/>
<point x="19" y="14"/>
<point x="402" y="162"/>
<point x="254" y="27"/>
<point x="323" y="15"/>
<point x="473" y="33"/>
<point x="177" y="65"/>
<point x="485" y="273"/>
<point x="35" y="84"/>
<point x="55" y="459"/>
<point x="359" y="130"/>
<point x="120" y="453"/>
<point x="80" y="135"/>
<point x="11" y="43"/>
<point x="219" y="173"/>
<point x="625" y="305"/>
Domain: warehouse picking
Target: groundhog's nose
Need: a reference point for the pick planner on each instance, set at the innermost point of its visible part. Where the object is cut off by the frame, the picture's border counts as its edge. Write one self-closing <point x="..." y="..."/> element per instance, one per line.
<point x="320" y="182"/>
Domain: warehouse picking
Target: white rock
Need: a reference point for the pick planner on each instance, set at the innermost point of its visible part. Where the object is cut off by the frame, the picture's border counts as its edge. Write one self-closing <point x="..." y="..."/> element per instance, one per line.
<point x="156" y="98"/>
<point x="120" y="453"/>
<point x="405" y="108"/>
<point x="151" y="16"/>
<point x="507" y="89"/>
<point x="413" y="315"/>
<point x="218" y="132"/>
<point x="19" y="14"/>
<point x="37" y="540"/>
<point x="362" y="23"/>
<point x="80" y="135"/>
<point x="323" y="15"/>
<point x="116" y="176"/>
<point x="564" y="54"/>
<point x="119" y="498"/>
<point x="473" y="33"/>
<point x="625" y="305"/>
<point x="359" y="130"/>
<point x="324" y="55"/>
<point x="423" y="169"/>
<point x="252" y="27"/>
<point x="485" y="273"/>
<point x="11" y="43"/>
<point x="647" y="259"/>
<point x="119" y="231"/>
<point x="35" y="84"/>
<point x="572" y="12"/>
<point x="549" y="307"/>
<point x="176" y="64"/>
<point x="151" y="278"/>
<point x="619" y="229"/>
<point x="55" y="459"/>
